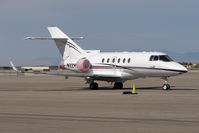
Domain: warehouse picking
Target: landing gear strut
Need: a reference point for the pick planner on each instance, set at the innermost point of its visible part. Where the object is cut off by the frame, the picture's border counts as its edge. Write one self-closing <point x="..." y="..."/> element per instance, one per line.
<point x="166" y="86"/>
<point x="93" y="86"/>
<point x="118" y="85"/>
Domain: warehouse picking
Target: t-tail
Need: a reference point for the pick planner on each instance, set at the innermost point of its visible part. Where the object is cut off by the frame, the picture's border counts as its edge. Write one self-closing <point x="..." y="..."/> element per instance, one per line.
<point x="67" y="47"/>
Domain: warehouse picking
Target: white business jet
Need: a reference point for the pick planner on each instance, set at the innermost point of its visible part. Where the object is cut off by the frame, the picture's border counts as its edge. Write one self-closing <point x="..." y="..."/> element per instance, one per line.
<point x="116" y="67"/>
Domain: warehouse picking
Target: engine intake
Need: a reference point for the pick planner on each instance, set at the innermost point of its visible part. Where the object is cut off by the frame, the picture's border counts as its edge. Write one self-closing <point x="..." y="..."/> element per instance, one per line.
<point x="83" y="65"/>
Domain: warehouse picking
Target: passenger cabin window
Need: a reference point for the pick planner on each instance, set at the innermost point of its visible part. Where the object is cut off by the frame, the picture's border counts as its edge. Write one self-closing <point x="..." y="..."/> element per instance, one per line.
<point x="118" y="61"/>
<point x="124" y="60"/>
<point x="129" y="60"/>
<point x="113" y="61"/>
<point x="165" y="58"/>
<point x="108" y="60"/>
<point x="103" y="60"/>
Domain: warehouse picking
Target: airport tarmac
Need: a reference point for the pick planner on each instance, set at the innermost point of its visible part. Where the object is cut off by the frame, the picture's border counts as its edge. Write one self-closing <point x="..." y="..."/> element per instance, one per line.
<point x="52" y="104"/>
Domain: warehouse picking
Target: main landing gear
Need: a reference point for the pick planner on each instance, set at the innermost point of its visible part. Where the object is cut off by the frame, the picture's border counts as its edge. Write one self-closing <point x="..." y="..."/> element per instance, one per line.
<point x="166" y="86"/>
<point x="118" y="85"/>
<point x="93" y="86"/>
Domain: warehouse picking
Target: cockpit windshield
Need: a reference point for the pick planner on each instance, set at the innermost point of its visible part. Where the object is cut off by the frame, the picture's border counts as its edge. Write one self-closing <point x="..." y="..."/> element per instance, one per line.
<point x="165" y="58"/>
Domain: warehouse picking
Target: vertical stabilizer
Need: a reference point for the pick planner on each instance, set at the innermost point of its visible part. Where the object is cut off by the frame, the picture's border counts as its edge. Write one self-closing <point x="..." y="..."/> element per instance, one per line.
<point x="67" y="47"/>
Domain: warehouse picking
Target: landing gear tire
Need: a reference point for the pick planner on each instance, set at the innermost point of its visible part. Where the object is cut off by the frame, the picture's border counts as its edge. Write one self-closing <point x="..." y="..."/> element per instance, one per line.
<point x="93" y="86"/>
<point x="166" y="87"/>
<point x="118" y="85"/>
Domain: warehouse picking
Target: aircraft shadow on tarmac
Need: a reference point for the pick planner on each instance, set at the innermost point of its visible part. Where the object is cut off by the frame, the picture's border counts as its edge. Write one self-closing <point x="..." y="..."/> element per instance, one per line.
<point x="141" y="88"/>
<point x="110" y="88"/>
<point x="100" y="88"/>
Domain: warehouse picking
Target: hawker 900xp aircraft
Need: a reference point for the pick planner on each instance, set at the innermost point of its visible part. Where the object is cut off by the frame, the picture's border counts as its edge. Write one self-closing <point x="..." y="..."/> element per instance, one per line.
<point x="116" y="67"/>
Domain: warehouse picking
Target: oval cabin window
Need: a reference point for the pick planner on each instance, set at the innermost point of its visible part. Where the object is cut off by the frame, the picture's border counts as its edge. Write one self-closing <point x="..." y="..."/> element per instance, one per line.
<point x="108" y="60"/>
<point x="129" y="60"/>
<point x="113" y="61"/>
<point x="124" y="60"/>
<point x="118" y="61"/>
<point x="103" y="60"/>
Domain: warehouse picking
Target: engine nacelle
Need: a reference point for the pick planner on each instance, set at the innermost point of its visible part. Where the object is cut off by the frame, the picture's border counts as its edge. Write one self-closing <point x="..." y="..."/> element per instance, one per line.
<point x="83" y="65"/>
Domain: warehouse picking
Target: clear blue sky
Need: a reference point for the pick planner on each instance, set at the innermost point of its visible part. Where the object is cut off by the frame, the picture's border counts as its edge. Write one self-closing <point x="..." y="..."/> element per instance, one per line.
<point x="109" y="25"/>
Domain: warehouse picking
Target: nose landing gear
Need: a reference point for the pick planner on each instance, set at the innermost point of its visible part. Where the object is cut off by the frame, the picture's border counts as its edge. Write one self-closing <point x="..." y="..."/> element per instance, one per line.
<point x="166" y="86"/>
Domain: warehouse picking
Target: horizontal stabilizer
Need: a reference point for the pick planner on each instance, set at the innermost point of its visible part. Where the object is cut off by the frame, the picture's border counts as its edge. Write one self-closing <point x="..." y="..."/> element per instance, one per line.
<point x="67" y="47"/>
<point x="51" y="38"/>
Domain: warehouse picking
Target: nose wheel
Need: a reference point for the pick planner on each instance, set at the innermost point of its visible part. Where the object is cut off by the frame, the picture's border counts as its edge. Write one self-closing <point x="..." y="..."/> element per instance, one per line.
<point x="166" y="86"/>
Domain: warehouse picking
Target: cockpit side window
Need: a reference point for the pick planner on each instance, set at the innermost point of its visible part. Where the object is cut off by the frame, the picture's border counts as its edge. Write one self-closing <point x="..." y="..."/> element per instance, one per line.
<point x="151" y="58"/>
<point x="154" y="58"/>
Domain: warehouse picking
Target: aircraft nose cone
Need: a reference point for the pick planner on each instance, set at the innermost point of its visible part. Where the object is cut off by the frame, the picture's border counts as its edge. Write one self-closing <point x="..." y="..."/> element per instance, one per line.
<point x="182" y="69"/>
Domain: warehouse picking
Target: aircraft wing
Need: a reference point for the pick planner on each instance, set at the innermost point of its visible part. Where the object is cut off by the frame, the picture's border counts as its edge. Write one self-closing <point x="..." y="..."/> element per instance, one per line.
<point x="66" y="74"/>
<point x="76" y="74"/>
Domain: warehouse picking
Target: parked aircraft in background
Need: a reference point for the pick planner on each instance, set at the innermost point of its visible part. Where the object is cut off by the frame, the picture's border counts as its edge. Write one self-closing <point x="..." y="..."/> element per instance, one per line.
<point x="116" y="67"/>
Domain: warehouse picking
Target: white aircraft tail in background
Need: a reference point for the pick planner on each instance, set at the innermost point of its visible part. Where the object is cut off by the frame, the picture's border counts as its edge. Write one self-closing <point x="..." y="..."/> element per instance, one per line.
<point x="13" y="66"/>
<point x="116" y="67"/>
